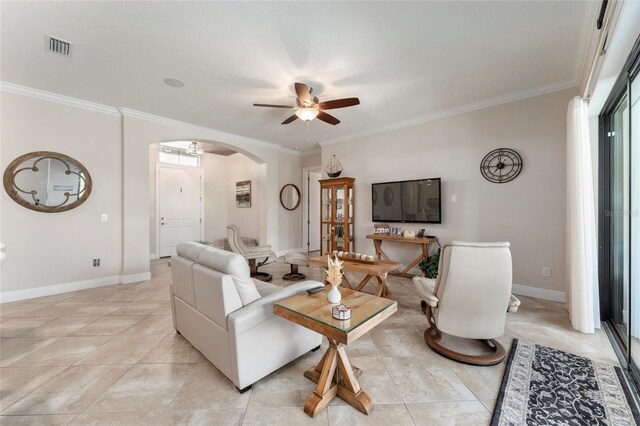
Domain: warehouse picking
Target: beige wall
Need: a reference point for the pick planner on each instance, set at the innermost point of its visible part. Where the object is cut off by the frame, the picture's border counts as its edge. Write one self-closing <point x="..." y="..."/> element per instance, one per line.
<point x="47" y="249"/>
<point x="52" y="253"/>
<point x="241" y="168"/>
<point x="312" y="160"/>
<point x="290" y="221"/>
<point x="529" y="212"/>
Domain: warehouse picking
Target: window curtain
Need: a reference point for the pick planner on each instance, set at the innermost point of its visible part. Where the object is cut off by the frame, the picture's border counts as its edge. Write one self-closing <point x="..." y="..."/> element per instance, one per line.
<point x="582" y="272"/>
<point x="635" y="207"/>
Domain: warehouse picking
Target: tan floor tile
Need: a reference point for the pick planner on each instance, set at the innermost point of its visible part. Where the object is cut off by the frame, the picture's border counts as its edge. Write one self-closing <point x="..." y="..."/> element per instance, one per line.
<point x="153" y="324"/>
<point x="489" y="404"/>
<point x="484" y="382"/>
<point x="145" y="418"/>
<point x="163" y="310"/>
<point x="398" y="342"/>
<point x="174" y="349"/>
<point x="282" y="416"/>
<point x="17" y="382"/>
<point x="382" y="414"/>
<point x="466" y="413"/>
<point x="221" y="417"/>
<point x="208" y="388"/>
<point x="78" y="309"/>
<point x="70" y="391"/>
<point x="15" y="326"/>
<point x="145" y="387"/>
<point x="64" y="351"/>
<point x="419" y="383"/>
<point x="108" y="326"/>
<point x="59" y="327"/>
<point x="139" y="308"/>
<point x="49" y="420"/>
<point x="14" y="349"/>
<point x="122" y="350"/>
<point x="286" y="387"/>
<point x="20" y="309"/>
<point x="375" y="381"/>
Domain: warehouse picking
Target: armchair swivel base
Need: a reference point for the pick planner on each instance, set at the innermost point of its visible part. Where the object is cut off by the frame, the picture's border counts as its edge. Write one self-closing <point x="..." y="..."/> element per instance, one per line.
<point x="432" y="337"/>
<point x="262" y="276"/>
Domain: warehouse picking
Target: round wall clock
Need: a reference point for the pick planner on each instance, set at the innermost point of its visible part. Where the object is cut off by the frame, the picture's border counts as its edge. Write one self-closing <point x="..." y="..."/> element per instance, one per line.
<point x="501" y="165"/>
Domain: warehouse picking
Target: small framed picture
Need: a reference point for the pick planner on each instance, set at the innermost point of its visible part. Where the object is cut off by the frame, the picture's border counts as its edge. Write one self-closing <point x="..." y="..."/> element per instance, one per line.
<point x="243" y="194"/>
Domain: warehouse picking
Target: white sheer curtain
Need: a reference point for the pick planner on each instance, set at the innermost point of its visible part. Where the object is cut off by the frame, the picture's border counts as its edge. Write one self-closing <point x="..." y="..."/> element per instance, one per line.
<point x="635" y="208"/>
<point x="582" y="272"/>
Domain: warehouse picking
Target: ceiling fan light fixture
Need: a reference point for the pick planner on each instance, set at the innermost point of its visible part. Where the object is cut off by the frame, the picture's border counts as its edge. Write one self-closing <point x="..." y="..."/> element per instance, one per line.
<point x="194" y="149"/>
<point x="307" y="114"/>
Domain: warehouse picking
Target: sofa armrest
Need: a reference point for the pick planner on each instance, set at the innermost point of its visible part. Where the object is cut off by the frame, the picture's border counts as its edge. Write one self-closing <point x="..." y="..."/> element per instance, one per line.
<point x="262" y="309"/>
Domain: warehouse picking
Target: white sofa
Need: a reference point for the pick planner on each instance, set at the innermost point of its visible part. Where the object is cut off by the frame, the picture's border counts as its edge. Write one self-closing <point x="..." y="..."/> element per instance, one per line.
<point x="229" y="317"/>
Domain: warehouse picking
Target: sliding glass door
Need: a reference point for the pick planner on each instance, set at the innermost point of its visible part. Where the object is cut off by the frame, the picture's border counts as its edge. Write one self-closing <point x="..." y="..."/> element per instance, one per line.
<point x="619" y="215"/>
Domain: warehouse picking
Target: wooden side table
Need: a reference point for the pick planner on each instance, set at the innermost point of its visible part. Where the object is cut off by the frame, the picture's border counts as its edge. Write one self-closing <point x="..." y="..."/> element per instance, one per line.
<point x="334" y="374"/>
<point x="423" y="241"/>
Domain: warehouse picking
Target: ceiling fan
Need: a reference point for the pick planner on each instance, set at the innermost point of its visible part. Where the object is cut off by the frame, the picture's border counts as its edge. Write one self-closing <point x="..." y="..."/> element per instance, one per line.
<point x="308" y="107"/>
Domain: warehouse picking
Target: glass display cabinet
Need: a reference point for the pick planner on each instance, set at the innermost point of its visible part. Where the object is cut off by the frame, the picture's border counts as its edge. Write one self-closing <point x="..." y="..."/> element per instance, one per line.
<point x="336" y="214"/>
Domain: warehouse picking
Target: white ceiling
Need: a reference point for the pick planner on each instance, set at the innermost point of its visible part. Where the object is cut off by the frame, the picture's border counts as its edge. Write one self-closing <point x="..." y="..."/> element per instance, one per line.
<point x="403" y="60"/>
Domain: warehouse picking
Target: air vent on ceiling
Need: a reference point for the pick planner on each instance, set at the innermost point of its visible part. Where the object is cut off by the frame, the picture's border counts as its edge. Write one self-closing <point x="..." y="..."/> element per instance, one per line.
<point x="58" y="45"/>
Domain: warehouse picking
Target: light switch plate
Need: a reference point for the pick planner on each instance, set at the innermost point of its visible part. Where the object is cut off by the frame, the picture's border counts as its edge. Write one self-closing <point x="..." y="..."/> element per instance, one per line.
<point x="105" y="217"/>
<point x="453" y="198"/>
<point x="546" y="271"/>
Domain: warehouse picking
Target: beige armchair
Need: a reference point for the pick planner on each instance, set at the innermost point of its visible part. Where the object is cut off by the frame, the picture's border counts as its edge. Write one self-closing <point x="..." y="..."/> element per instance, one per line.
<point x="469" y="299"/>
<point x="252" y="254"/>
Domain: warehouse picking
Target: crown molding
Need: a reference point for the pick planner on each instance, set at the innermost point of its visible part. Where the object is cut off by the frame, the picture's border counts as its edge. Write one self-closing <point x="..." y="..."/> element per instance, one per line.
<point x="216" y="135"/>
<point x="462" y="109"/>
<point x="16" y="89"/>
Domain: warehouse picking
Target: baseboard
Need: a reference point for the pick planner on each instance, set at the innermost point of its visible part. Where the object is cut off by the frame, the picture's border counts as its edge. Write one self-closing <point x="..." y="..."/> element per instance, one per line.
<point x="48" y="290"/>
<point x="539" y="293"/>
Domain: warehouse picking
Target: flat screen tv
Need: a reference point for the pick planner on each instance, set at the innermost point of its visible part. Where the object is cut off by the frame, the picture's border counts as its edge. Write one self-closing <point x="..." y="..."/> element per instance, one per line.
<point x="408" y="201"/>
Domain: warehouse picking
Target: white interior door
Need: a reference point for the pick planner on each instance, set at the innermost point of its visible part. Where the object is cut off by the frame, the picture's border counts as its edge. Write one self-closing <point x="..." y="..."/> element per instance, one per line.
<point x="311" y="214"/>
<point x="179" y="207"/>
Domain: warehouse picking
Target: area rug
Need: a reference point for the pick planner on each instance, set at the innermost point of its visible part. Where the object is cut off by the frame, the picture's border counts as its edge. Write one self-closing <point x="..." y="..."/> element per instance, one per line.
<point x="546" y="386"/>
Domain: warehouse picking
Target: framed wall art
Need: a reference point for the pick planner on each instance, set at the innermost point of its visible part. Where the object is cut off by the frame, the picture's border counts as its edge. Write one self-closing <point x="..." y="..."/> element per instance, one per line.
<point x="243" y="194"/>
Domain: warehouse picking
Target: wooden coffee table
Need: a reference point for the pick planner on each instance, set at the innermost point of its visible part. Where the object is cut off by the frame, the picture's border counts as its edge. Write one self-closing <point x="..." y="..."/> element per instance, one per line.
<point x="334" y="374"/>
<point x="379" y="270"/>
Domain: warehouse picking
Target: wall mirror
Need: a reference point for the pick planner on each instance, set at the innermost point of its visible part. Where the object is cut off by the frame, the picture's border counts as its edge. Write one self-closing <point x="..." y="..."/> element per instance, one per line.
<point x="47" y="182"/>
<point x="290" y="196"/>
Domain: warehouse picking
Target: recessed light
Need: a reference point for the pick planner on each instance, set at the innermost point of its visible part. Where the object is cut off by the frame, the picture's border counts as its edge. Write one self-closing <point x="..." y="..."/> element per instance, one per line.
<point x="296" y="148"/>
<point x="173" y="82"/>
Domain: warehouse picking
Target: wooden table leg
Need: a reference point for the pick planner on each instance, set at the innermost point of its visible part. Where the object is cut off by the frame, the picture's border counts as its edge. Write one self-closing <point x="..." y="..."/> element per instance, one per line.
<point x="405" y="272"/>
<point x="383" y="289"/>
<point x="335" y="375"/>
<point x="364" y="282"/>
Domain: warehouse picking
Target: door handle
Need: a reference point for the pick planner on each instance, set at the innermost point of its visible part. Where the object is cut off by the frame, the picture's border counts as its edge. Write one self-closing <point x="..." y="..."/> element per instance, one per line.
<point x="162" y="223"/>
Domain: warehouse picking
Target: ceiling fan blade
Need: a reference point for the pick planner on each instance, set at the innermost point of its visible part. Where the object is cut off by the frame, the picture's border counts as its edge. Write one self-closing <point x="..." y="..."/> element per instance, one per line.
<point x="273" y="106"/>
<point x="339" y="103"/>
<point x="302" y="90"/>
<point x="290" y="119"/>
<point x="327" y="118"/>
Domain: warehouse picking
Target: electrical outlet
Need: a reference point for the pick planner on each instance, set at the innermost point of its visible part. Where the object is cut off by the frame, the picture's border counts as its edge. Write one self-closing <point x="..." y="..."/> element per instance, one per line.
<point x="454" y="198"/>
<point x="96" y="262"/>
<point x="546" y="271"/>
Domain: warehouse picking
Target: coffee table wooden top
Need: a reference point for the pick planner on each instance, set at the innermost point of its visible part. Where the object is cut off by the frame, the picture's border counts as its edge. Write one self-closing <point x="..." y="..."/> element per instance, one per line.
<point x="379" y="268"/>
<point x="313" y="311"/>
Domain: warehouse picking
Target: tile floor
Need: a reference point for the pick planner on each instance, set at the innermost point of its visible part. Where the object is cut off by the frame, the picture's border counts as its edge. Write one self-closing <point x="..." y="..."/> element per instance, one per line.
<point x="110" y="356"/>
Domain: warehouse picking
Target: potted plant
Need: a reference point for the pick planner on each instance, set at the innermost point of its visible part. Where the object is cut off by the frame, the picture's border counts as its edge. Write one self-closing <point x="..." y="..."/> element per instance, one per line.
<point x="429" y="266"/>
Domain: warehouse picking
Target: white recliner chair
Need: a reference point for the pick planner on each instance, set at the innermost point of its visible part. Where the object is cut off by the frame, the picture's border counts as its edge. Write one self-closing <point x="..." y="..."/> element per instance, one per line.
<point x="229" y="317"/>
<point x="469" y="299"/>
<point x="252" y="254"/>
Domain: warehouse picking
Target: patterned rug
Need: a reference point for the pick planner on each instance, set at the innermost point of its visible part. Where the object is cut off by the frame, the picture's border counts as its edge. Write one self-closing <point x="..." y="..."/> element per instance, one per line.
<point x="546" y="386"/>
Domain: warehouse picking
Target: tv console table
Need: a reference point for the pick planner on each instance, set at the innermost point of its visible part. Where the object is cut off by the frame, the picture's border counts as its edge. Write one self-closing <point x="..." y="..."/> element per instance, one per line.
<point x="423" y="241"/>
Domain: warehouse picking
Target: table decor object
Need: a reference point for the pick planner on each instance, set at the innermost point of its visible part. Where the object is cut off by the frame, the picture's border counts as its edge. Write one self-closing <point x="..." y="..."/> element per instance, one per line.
<point x="341" y="312"/>
<point x="334" y="277"/>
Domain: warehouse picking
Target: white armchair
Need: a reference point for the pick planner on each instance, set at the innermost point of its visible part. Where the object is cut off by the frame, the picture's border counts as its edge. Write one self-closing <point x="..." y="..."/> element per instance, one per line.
<point x="469" y="299"/>
<point x="252" y="254"/>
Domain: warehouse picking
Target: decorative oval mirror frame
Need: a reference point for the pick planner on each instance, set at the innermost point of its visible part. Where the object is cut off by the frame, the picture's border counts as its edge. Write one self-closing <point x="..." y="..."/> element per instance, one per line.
<point x="15" y="191"/>
<point x="282" y="191"/>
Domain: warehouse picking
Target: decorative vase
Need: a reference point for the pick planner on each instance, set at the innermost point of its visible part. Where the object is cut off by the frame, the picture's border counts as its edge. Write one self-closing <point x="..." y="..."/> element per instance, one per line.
<point x="334" y="295"/>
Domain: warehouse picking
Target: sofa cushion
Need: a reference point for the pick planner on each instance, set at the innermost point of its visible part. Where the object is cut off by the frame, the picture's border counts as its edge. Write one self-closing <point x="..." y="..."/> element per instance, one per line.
<point x="190" y="250"/>
<point x="234" y="265"/>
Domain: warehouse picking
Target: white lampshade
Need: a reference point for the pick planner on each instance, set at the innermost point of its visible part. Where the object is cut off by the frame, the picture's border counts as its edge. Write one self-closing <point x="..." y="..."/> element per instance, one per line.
<point x="194" y="149"/>
<point x="307" y="114"/>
